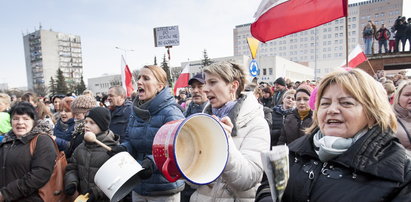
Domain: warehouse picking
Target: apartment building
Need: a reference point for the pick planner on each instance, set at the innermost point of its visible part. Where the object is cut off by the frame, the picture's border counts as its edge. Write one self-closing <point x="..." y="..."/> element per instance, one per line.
<point x="323" y="48"/>
<point x="46" y="51"/>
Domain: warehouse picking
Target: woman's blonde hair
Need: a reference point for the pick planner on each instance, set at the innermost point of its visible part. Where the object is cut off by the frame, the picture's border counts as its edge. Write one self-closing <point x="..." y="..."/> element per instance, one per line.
<point x="229" y="72"/>
<point x="159" y="74"/>
<point x="289" y="92"/>
<point x="366" y="91"/>
<point x="43" y="111"/>
<point x="4" y="98"/>
<point x="399" y="90"/>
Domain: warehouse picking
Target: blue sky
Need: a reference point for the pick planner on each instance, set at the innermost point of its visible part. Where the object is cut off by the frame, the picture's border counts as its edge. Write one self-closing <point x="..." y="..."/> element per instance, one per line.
<point x="103" y="25"/>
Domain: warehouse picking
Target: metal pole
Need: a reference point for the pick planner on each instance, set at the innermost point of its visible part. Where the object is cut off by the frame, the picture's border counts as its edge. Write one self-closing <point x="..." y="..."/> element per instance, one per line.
<point x="315" y="53"/>
<point x="346" y="40"/>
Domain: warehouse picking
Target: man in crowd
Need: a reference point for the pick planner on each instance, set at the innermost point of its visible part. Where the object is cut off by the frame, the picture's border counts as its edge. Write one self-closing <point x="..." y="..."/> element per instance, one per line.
<point x="382" y="35"/>
<point x="279" y="88"/>
<point x="120" y="109"/>
<point x="199" y="99"/>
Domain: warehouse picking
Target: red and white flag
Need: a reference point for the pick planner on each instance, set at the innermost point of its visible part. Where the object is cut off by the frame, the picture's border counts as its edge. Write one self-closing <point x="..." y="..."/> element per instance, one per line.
<point x="182" y="80"/>
<point x="355" y="58"/>
<point x="126" y="77"/>
<point x="278" y="18"/>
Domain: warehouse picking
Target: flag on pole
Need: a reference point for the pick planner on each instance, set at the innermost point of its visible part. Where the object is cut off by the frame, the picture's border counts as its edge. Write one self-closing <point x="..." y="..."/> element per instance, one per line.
<point x="355" y="58"/>
<point x="182" y="80"/>
<point x="278" y="18"/>
<point x="126" y="77"/>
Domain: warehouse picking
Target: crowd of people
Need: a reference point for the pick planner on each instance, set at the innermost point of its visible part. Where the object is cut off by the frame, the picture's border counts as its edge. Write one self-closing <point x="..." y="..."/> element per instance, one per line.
<point x="391" y="39"/>
<point x="349" y="136"/>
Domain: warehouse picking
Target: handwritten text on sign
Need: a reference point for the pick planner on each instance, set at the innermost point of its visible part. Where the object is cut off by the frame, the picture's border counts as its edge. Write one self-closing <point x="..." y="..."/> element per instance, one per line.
<point x="166" y="36"/>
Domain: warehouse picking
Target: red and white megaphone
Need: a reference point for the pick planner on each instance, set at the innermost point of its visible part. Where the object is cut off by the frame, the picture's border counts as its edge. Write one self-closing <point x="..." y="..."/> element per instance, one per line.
<point x="195" y="148"/>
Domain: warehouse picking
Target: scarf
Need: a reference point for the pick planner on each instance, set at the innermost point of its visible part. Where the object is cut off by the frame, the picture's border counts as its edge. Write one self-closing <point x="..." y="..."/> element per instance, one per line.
<point x="329" y="147"/>
<point x="402" y="112"/>
<point x="141" y="108"/>
<point x="224" y="110"/>
<point x="303" y="114"/>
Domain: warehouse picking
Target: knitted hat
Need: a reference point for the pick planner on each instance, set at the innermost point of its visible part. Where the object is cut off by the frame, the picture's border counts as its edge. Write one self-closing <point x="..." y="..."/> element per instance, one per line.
<point x="82" y="104"/>
<point x="101" y="116"/>
<point x="304" y="88"/>
<point x="280" y="81"/>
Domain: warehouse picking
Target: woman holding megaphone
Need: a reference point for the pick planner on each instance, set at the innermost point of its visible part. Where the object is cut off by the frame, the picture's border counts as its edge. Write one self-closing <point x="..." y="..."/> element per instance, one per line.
<point x="153" y="107"/>
<point x="247" y="130"/>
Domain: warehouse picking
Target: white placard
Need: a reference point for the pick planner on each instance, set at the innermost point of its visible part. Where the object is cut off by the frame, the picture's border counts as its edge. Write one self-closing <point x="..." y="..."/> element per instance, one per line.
<point x="166" y="36"/>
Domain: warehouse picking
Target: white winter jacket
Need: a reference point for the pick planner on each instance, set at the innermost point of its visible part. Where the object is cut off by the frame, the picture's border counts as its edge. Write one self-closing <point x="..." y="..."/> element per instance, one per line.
<point x="244" y="170"/>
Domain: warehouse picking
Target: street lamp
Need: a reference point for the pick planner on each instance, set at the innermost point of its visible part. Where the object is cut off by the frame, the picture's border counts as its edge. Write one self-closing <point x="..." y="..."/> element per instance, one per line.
<point x="125" y="51"/>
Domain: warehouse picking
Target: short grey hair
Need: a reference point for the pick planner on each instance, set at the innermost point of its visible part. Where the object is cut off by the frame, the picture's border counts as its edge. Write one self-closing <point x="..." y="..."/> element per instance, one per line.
<point x="119" y="90"/>
<point x="229" y="72"/>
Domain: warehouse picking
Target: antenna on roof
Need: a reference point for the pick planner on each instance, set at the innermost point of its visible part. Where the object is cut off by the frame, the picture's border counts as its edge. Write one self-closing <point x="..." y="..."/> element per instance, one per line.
<point x="40" y="26"/>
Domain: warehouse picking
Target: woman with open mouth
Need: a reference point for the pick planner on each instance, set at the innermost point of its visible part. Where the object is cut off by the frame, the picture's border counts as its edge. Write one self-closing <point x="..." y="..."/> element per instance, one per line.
<point x="350" y="152"/>
<point x="153" y="107"/>
<point x="402" y="109"/>
<point x="23" y="173"/>
<point x="247" y="130"/>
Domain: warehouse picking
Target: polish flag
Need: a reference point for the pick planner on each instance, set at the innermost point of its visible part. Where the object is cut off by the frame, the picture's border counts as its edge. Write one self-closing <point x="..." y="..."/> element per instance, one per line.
<point x="126" y="77"/>
<point x="182" y="80"/>
<point x="278" y="18"/>
<point x="355" y="58"/>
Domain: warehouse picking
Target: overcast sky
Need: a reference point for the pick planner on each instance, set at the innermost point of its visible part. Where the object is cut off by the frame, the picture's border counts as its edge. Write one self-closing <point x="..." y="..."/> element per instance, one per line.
<point x="103" y="25"/>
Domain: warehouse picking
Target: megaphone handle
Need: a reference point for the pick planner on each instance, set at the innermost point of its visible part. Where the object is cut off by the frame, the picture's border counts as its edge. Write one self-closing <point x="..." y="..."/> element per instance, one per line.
<point x="166" y="174"/>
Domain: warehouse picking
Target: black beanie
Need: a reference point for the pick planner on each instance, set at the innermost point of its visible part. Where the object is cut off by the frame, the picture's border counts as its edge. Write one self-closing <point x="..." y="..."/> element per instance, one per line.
<point x="101" y="116"/>
<point x="280" y="81"/>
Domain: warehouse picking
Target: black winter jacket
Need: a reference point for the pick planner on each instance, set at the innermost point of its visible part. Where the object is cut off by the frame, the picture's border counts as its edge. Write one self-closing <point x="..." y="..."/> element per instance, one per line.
<point x="278" y="115"/>
<point x="375" y="168"/>
<point x="21" y="174"/>
<point x="85" y="162"/>
<point x="293" y="127"/>
<point x="119" y="119"/>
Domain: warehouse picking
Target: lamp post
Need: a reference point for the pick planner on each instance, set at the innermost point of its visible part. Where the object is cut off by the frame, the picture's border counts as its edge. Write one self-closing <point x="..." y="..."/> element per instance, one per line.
<point x="125" y="51"/>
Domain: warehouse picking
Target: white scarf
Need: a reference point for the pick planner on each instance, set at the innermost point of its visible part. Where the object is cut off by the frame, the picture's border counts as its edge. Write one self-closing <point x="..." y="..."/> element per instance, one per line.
<point x="328" y="147"/>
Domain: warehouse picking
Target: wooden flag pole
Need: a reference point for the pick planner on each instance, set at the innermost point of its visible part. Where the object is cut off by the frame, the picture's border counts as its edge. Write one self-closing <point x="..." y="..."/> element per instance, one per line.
<point x="371" y="66"/>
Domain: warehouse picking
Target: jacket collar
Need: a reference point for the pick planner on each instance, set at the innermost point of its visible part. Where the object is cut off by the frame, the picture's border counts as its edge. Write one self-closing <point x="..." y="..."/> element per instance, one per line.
<point x="377" y="153"/>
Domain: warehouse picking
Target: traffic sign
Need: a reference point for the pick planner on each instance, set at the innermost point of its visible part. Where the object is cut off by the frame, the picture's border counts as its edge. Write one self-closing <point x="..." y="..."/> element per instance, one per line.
<point x="253" y="68"/>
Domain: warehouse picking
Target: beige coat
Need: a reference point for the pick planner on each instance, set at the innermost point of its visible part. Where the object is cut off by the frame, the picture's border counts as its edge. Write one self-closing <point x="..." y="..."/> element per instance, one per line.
<point x="244" y="169"/>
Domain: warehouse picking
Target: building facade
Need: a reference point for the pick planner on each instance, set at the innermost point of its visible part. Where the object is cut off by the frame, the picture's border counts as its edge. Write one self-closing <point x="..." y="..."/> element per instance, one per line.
<point x="271" y="67"/>
<point x="324" y="47"/>
<point x="45" y="52"/>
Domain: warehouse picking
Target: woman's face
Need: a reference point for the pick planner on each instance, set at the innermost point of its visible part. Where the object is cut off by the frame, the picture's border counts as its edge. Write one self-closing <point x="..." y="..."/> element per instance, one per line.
<point x="79" y="116"/>
<point x="65" y="116"/>
<point x="266" y="95"/>
<point x="21" y="124"/>
<point x="56" y="103"/>
<point x="301" y="100"/>
<point x="3" y="106"/>
<point x="339" y="114"/>
<point x="218" y="91"/>
<point x="147" y="85"/>
<point x="289" y="101"/>
<point x="405" y="98"/>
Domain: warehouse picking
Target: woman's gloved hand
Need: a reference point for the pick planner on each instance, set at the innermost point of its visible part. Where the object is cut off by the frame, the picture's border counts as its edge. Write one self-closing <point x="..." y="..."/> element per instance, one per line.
<point x="148" y="166"/>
